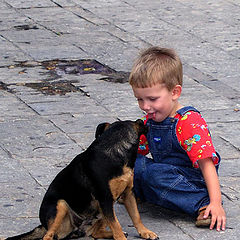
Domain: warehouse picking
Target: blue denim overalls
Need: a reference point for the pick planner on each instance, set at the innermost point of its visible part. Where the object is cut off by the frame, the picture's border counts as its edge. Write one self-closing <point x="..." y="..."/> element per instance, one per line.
<point x="168" y="178"/>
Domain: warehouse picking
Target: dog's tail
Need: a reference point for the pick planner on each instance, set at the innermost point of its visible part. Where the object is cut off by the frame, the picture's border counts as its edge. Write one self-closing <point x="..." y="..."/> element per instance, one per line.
<point x="36" y="234"/>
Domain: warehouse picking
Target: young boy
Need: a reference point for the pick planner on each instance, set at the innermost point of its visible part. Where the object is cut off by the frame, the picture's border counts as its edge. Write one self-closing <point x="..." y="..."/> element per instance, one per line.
<point x="182" y="173"/>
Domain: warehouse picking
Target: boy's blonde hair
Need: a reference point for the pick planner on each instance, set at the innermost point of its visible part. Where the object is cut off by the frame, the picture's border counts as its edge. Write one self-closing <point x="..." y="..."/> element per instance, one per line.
<point x="157" y="65"/>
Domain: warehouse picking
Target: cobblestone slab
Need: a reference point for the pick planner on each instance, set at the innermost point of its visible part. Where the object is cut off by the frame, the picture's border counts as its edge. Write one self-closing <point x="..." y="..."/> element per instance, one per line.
<point x="18" y="225"/>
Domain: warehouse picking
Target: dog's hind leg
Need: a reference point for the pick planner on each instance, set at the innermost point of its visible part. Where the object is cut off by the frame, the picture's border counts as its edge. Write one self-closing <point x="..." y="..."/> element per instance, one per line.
<point x="61" y="225"/>
<point x="99" y="230"/>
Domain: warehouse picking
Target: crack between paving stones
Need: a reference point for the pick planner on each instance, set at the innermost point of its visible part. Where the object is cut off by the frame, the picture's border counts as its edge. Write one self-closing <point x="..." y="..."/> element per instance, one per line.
<point x="35" y="21"/>
<point x="181" y="229"/>
<point x="57" y="4"/>
<point x="6" y="151"/>
<point x="98" y="103"/>
<point x="45" y="27"/>
<point x="69" y="137"/>
<point x="15" y="45"/>
<point x="26" y="104"/>
<point x="190" y="33"/>
<point x="224" y="139"/>
<point x="34" y="178"/>
<point x="233" y="188"/>
<point x="75" y="45"/>
<point x="123" y="30"/>
<point x="110" y="23"/>
<point x="10" y="155"/>
<point x="84" y="9"/>
<point x="206" y="79"/>
<point x="225" y="195"/>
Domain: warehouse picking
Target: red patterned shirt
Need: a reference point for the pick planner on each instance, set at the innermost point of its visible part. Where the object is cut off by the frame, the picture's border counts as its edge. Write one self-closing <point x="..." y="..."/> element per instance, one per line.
<point x="193" y="136"/>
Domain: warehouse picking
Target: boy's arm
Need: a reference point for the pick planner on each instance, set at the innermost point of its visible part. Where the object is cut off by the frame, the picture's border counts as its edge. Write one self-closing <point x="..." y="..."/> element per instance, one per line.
<point x="215" y="207"/>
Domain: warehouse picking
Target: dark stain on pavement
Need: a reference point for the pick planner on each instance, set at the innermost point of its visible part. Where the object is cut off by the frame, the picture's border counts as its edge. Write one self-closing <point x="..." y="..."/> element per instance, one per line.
<point x="48" y="88"/>
<point x="59" y="68"/>
<point x="56" y="69"/>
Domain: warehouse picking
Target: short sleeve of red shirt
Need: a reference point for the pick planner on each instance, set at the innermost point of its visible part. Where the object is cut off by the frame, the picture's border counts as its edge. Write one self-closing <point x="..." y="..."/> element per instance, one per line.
<point x="194" y="137"/>
<point x="143" y="148"/>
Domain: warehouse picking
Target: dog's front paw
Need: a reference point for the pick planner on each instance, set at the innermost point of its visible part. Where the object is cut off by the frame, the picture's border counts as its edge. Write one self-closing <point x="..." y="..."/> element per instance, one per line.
<point x="147" y="234"/>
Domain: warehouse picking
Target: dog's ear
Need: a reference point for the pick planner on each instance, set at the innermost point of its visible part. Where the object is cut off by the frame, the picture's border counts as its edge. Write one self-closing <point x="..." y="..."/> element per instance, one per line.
<point x="140" y="127"/>
<point x="101" y="128"/>
<point x="139" y="121"/>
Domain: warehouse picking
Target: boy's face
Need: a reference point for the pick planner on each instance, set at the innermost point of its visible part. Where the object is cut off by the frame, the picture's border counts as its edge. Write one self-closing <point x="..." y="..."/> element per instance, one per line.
<point x="157" y="101"/>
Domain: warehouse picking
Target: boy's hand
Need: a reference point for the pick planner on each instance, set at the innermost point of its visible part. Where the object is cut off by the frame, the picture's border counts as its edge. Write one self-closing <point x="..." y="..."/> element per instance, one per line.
<point x="218" y="216"/>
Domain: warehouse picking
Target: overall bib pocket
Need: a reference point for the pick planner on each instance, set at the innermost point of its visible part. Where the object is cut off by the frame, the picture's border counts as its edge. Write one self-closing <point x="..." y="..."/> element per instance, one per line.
<point x="160" y="141"/>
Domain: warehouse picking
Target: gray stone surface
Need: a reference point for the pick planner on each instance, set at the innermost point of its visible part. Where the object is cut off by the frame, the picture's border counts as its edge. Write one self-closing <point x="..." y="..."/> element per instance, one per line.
<point x="41" y="133"/>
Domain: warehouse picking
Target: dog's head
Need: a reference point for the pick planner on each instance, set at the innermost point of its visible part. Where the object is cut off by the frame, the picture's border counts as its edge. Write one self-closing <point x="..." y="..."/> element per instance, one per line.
<point x="120" y="140"/>
<point x="137" y="125"/>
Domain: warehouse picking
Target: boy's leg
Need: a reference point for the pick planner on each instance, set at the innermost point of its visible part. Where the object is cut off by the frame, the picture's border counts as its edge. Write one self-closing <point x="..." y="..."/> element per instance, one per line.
<point x="139" y="169"/>
<point x="176" y="188"/>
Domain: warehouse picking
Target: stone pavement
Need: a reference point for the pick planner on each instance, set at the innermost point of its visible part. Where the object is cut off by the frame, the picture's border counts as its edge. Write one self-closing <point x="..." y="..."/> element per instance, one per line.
<point x="49" y="109"/>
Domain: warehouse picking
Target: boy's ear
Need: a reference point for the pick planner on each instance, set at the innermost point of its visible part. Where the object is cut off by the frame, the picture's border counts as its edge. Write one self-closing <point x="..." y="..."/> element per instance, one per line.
<point x="176" y="92"/>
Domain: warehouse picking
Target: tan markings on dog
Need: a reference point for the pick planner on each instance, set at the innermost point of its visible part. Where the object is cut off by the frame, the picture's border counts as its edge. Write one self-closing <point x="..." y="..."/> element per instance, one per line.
<point x="99" y="230"/>
<point x="131" y="206"/>
<point x="119" y="184"/>
<point x="116" y="228"/>
<point x="107" y="125"/>
<point x="123" y="186"/>
<point x="61" y="225"/>
<point x="136" y="127"/>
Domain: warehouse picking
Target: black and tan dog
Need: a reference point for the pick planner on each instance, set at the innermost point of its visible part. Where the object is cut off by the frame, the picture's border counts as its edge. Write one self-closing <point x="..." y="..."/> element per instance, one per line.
<point x="79" y="201"/>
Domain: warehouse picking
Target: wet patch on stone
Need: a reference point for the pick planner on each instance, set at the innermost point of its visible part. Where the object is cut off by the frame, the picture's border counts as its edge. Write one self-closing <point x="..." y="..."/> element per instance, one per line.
<point x="48" y="88"/>
<point x="56" y="69"/>
<point x="61" y="67"/>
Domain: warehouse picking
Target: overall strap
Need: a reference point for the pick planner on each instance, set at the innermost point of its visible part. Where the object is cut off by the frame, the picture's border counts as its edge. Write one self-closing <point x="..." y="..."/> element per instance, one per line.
<point x="186" y="109"/>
